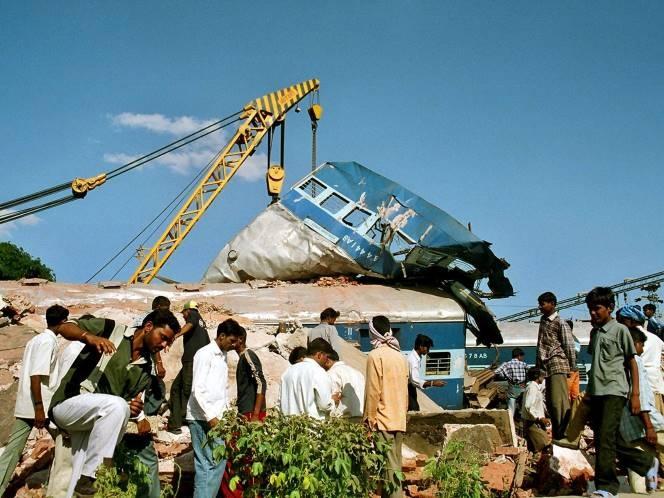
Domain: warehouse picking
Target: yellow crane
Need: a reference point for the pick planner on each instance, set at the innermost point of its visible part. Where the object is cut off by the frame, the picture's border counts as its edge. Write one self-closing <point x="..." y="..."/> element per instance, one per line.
<point x="260" y="117"/>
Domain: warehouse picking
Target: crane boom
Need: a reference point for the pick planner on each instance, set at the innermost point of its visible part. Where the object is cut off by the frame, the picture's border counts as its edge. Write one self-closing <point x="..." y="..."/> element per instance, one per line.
<point x="259" y="117"/>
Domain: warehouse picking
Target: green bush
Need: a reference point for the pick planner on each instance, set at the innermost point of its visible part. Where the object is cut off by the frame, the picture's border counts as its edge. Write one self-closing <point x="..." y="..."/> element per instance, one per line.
<point x="456" y="472"/>
<point x="127" y="478"/>
<point x="299" y="457"/>
<point x="15" y="264"/>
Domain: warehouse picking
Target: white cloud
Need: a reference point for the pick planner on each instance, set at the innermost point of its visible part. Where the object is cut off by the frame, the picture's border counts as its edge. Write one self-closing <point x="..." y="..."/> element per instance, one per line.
<point x="7" y="228"/>
<point x="190" y="158"/>
<point x="158" y="123"/>
<point x="254" y="168"/>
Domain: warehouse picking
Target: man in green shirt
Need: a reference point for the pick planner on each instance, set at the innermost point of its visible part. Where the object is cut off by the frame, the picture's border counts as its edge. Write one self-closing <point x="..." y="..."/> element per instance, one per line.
<point x="613" y="368"/>
<point x="99" y="392"/>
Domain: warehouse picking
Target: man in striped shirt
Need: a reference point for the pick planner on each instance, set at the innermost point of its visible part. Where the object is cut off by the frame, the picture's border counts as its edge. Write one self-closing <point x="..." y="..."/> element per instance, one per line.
<point x="514" y="372"/>
<point x="557" y="357"/>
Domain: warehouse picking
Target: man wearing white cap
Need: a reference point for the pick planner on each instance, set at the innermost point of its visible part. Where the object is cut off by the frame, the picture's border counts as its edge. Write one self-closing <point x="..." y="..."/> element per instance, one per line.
<point x="195" y="336"/>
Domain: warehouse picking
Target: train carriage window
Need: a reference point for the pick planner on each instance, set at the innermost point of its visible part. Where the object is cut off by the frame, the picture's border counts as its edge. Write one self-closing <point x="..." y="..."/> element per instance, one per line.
<point x="356" y="217"/>
<point x="583" y="372"/>
<point x="312" y="187"/>
<point x="334" y="203"/>
<point x="438" y="363"/>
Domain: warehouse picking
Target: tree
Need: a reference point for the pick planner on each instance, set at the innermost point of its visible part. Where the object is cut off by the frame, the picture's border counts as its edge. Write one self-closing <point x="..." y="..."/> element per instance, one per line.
<point x="15" y="263"/>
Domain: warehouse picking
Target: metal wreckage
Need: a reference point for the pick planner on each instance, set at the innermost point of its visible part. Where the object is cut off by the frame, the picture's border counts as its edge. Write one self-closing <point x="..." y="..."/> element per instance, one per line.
<point x="345" y="219"/>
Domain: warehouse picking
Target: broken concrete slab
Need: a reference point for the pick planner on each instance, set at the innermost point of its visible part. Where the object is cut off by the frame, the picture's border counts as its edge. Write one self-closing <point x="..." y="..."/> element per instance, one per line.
<point x="483" y="437"/>
<point x="425" y="431"/>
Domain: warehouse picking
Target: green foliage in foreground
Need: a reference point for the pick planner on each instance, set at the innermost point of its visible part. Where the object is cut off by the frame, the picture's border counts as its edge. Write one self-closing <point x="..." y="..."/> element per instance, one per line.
<point x="127" y="478"/>
<point x="15" y="264"/>
<point x="456" y="472"/>
<point x="299" y="457"/>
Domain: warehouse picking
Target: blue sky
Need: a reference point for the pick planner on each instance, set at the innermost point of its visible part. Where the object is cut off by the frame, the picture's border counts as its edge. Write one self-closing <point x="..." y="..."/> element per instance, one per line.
<point x="541" y="123"/>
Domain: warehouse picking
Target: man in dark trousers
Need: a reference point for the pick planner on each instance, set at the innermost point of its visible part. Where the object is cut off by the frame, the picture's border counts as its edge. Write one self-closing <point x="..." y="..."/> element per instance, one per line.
<point x="195" y="336"/>
<point x="556" y="356"/>
<point x="251" y="389"/>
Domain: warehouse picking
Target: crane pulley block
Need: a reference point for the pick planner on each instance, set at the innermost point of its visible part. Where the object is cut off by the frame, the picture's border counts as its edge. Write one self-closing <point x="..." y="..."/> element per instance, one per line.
<point x="315" y="112"/>
<point x="275" y="179"/>
<point x="81" y="186"/>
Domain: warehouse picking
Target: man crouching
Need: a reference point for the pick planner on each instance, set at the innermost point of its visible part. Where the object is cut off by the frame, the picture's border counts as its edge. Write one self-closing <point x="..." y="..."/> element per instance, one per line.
<point x="100" y="391"/>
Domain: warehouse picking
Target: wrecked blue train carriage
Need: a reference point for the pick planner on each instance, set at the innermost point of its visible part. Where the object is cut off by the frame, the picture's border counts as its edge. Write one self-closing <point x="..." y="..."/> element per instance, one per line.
<point x="389" y="230"/>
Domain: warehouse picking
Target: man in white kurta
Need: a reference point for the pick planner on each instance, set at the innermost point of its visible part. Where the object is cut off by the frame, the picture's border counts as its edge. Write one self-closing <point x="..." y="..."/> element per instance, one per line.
<point x="306" y="388"/>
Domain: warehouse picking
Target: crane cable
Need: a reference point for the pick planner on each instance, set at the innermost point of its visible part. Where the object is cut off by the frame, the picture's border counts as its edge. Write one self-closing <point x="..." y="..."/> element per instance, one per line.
<point x="173" y="203"/>
<point x="177" y="144"/>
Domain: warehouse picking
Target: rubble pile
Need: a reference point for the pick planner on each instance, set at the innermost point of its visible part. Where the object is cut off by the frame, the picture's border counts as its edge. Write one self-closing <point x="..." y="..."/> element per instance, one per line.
<point x="480" y="389"/>
<point x="341" y="281"/>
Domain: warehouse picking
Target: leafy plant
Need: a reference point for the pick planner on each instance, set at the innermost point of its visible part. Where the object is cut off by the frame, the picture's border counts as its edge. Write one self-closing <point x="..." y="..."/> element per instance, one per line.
<point x="300" y="457"/>
<point x="127" y="478"/>
<point x="456" y="472"/>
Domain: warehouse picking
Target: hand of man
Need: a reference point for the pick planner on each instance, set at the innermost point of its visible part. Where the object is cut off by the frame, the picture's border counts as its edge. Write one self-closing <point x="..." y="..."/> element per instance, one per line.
<point x="135" y="406"/>
<point x="545" y="421"/>
<point x="213" y="422"/>
<point x="635" y="404"/>
<point x="143" y="426"/>
<point x="438" y="383"/>
<point x="40" y="417"/>
<point x="651" y="436"/>
<point x="256" y="416"/>
<point x="336" y="397"/>
<point x="161" y="371"/>
<point x="101" y="344"/>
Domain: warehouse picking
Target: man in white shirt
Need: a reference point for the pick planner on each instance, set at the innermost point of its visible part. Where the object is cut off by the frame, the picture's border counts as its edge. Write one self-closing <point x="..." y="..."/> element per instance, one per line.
<point x="207" y="403"/>
<point x="306" y="388"/>
<point x="36" y="383"/>
<point x="533" y="411"/>
<point x="327" y="330"/>
<point x="632" y="317"/>
<point x="423" y="345"/>
<point x="347" y="388"/>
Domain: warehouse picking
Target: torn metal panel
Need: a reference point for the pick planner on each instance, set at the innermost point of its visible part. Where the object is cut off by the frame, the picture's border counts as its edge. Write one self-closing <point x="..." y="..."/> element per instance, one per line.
<point x="279" y="246"/>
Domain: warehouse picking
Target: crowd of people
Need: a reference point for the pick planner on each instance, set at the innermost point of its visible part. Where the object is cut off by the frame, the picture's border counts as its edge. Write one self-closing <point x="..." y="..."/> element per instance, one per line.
<point x="110" y="373"/>
<point x="624" y="398"/>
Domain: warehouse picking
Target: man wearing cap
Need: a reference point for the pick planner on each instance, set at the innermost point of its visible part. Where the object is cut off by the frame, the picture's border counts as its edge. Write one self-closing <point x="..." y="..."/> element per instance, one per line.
<point x="326" y="330"/>
<point x="195" y="336"/>
<point x="632" y="317"/>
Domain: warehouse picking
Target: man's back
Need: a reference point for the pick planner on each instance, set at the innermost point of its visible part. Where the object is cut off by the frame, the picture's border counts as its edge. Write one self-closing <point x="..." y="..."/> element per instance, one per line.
<point x="386" y="395"/>
<point x="306" y="389"/>
<point x="350" y="382"/>
<point x="325" y="331"/>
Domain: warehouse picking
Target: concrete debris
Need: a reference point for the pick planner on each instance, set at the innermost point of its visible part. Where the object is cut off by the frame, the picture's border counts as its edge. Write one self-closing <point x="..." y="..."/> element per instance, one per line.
<point x="482" y="437"/>
<point x="342" y="281"/>
<point x="20" y="303"/>
<point x="499" y="476"/>
<point x="266" y="284"/>
<point x="565" y="472"/>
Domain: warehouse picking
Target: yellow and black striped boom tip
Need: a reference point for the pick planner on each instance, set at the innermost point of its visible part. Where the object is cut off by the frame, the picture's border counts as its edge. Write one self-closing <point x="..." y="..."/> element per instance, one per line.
<point x="280" y="102"/>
